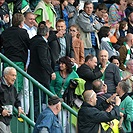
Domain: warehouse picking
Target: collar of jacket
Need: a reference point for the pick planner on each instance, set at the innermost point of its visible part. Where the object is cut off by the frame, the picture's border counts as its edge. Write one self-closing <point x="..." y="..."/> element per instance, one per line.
<point x="85" y="104"/>
<point x="86" y="15"/>
<point x="124" y="96"/>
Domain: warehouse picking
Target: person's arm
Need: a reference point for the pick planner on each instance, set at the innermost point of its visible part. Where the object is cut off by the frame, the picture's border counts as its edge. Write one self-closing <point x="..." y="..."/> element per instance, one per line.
<point x="44" y="130"/>
<point x="84" y="24"/>
<point x="117" y="77"/>
<point x="81" y="54"/>
<point x="103" y="116"/>
<point x="43" y="57"/>
<point x="52" y="86"/>
<point x="123" y="52"/>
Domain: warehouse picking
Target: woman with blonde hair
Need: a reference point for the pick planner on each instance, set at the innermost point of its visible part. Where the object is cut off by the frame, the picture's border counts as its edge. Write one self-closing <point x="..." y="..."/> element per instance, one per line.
<point x="77" y="44"/>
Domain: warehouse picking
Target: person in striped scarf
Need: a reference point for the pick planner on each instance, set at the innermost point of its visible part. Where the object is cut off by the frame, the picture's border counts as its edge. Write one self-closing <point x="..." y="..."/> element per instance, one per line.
<point x="125" y="52"/>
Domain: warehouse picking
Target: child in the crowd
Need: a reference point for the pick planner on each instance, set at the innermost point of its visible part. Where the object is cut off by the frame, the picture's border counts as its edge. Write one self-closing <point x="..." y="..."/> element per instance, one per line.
<point x="123" y="26"/>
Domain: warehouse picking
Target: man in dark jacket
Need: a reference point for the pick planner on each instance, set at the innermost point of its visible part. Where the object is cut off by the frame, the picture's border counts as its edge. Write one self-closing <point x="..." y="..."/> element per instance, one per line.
<point x="85" y="71"/>
<point x="8" y="99"/>
<point x="15" y="42"/>
<point x="40" y="63"/>
<point x="89" y="117"/>
<point x="60" y="43"/>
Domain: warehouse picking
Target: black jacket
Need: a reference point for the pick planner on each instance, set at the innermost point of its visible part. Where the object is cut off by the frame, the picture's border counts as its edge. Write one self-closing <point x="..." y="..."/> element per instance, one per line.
<point x="40" y="60"/>
<point x="55" y="46"/>
<point x="8" y="96"/>
<point x="90" y="117"/>
<point x="88" y="75"/>
<point x="15" y="42"/>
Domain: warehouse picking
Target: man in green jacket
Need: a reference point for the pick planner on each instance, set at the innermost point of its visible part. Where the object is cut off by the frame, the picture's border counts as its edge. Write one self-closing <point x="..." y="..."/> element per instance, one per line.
<point x="126" y="106"/>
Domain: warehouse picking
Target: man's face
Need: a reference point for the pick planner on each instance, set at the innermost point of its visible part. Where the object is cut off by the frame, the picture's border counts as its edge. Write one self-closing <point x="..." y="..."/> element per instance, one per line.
<point x="103" y="56"/>
<point x="1" y="2"/>
<point x="118" y="88"/>
<point x="94" y="99"/>
<point x="59" y="107"/>
<point x="11" y="77"/>
<point x="61" y="26"/>
<point x="30" y="20"/>
<point x="101" y="13"/>
<point x="93" y="63"/>
<point x="131" y="18"/>
<point x="130" y="66"/>
<point x="88" y="9"/>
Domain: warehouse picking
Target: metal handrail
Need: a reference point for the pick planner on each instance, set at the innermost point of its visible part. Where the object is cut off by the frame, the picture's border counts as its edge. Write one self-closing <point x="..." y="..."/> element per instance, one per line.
<point x="5" y="59"/>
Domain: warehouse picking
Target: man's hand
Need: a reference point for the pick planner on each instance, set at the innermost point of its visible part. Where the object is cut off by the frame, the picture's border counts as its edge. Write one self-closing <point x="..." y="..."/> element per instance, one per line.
<point x="6" y="18"/>
<point x="117" y="101"/>
<point x="20" y="111"/>
<point x="60" y="33"/>
<point x="5" y="112"/>
<point x="53" y="76"/>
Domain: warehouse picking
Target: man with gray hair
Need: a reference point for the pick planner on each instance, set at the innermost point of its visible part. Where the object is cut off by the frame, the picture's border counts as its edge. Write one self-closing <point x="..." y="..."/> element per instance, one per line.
<point x="126" y="106"/>
<point x="40" y="64"/>
<point x="127" y="75"/>
<point x="8" y="99"/>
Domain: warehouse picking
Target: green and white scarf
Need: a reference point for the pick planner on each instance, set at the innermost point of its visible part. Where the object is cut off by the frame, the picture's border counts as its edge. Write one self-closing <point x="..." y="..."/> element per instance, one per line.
<point x="100" y="66"/>
<point x="128" y="53"/>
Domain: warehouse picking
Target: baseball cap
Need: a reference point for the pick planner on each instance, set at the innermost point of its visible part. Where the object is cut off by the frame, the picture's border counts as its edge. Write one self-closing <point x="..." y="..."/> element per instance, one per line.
<point x="54" y="100"/>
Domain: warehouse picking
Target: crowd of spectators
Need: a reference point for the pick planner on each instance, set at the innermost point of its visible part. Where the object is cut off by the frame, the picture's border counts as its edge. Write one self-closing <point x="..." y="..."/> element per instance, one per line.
<point x="55" y="43"/>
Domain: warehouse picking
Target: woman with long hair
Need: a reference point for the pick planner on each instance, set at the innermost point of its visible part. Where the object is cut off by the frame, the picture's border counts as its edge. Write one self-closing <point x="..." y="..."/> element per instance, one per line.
<point x="61" y="83"/>
<point x="77" y="44"/>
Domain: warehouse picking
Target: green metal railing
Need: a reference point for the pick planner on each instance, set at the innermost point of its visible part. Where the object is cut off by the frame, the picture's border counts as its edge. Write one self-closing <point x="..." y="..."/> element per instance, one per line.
<point x="41" y="87"/>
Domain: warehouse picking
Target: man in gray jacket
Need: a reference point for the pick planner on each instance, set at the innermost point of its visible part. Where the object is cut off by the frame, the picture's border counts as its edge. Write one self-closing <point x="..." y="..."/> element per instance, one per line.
<point x="88" y="29"/>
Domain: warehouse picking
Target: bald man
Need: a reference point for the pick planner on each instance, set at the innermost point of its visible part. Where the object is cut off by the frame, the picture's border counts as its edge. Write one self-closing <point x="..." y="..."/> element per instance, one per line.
<point x="125" y="52"/>
<point x="89" y="117"/>
<point x="111" y="76"/>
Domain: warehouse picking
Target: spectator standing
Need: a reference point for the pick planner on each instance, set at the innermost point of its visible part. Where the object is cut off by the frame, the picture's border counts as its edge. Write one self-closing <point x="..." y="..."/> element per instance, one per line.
<point x="123" y="27"/>
<point x="77" y="44"/>
<point x="61" y="84"/>
<point x="89" y="117"/>
<point x="47" y="122"/>
<point x="130" y="23"/>
<point x="104" y="38"/>
<point x="72" y="13"/>
<point x="99" y="13"/>
<point x="126" y="105"/>
<point x="8" y="99"/>
<point x="29" y="23"/>
<point x="117" y="11"/>
<point x="4" y="15"/>
<point x="40" y="60"/>
<point x="60" y="43"/>
<point x="111" y="76"/>
<point x="86" y="71"/>
<point x="15" y="42"/>
<point x="125" y="50"/>
<point x="103" y="98"/>
<point x="45" y="11"/>
<point x="88" y="29"/>
<point x="64" y="12"/>
<point x="128" y="73"/>
<point x="129" y="8"/>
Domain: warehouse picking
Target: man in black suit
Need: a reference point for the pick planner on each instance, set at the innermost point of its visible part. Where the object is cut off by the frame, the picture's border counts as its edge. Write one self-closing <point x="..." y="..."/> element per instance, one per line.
<point x="40" y="63"/>
<point x="86" y="71"/>
<point x="60" y="43"/>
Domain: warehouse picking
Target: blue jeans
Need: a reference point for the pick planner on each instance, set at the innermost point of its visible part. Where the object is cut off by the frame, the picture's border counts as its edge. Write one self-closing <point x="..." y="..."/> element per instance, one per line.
<point x="89" y="51"/>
